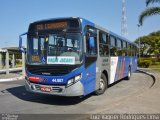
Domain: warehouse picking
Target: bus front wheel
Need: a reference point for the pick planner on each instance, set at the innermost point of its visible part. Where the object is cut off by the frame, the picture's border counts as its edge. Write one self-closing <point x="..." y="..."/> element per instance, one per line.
<point x="102" y="85"/>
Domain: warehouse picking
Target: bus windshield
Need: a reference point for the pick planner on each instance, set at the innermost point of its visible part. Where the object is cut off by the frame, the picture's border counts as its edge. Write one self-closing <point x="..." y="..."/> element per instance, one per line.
<point x="55" y="49"/>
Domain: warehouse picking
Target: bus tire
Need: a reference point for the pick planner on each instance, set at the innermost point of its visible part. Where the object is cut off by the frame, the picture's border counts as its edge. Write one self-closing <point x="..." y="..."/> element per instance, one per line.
<point x="102" y="85"/>
<point x="129" y="74"/>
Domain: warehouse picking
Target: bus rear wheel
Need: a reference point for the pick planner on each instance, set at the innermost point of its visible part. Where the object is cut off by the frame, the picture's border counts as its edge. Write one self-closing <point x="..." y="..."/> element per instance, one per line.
<point x="129" y="74"/>
<point x="102" y="85"/>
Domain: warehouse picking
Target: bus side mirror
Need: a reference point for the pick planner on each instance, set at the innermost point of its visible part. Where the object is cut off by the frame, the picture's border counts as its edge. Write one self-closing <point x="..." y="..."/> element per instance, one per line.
<point x="91" y="42"/>
<point x="87" y="36"/>
<point x="20" y="43"/>
<point x="91" y="46"/>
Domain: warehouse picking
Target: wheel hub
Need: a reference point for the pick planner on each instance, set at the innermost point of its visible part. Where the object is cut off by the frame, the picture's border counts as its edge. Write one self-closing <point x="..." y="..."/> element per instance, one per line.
<point x="101" y="84"/>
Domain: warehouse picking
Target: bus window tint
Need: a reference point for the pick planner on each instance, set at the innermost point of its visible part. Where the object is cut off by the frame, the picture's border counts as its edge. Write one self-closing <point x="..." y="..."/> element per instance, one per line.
<point x="124" y="49"/>
<point x="112" y="41"/>
<point x="103" y="38"/>
<point x="113" y="49"/>
<point x="129" y="49"/>
<point x="119" y="43"/>
<point x="119" y="47"/>
<point x="133" y="50"/>
<point x="103" y="44"/>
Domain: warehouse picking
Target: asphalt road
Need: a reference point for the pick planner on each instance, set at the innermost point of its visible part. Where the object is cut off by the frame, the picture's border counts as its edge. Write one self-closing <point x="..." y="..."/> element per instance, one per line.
<point x="15" y="99"/>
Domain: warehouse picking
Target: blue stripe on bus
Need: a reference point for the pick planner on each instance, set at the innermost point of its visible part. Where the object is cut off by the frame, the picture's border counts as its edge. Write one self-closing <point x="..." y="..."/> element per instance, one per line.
<point x="123" y="66"/>
<point x="89" y="80"/>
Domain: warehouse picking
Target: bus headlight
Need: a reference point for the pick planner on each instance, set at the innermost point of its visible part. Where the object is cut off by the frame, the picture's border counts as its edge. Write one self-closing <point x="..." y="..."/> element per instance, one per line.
<point x="74" y="80"/>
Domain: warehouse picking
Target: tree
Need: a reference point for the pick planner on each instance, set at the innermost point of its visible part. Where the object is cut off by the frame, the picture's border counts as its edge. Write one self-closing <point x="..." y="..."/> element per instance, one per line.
<point x="150" y="44"/>
<point x="149" y="11"/>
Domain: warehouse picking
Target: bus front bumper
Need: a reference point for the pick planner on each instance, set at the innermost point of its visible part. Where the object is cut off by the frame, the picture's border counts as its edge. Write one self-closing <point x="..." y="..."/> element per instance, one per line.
<point x="73" y="90"/>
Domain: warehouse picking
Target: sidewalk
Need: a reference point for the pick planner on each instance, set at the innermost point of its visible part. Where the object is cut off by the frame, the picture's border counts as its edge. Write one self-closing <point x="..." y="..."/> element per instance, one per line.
<point x="11" y="70"/>
<point x="15" y="74"/>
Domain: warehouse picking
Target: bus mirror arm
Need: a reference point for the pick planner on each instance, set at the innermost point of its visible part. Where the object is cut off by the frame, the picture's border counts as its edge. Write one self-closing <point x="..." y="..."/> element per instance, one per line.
<point x="20" y="43"/>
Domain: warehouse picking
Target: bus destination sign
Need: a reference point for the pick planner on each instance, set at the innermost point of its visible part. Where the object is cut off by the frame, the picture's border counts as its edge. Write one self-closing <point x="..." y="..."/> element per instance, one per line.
<point x="60" y="60"/>
<point x="47" y="26"/>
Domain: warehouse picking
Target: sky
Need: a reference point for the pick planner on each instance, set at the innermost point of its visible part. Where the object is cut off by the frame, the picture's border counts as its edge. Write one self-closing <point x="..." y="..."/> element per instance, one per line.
<point x="16" y="15"/>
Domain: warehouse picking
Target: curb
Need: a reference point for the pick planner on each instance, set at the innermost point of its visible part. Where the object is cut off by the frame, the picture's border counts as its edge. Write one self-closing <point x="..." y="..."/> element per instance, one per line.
<point x="11" y="70"/>
<point x="150" y="74"/>
<point x="12" y="79"/>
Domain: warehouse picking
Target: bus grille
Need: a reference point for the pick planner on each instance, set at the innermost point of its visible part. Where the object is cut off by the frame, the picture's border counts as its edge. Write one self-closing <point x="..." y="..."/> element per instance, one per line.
<point x="49" y="70"/>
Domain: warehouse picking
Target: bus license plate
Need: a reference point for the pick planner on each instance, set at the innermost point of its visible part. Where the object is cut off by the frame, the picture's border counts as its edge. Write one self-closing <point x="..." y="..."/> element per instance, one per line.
<point x="46" y="89"/>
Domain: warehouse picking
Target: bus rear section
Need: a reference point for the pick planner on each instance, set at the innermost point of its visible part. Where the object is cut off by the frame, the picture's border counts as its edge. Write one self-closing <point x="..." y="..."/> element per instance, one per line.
<point x="123" y="58"/>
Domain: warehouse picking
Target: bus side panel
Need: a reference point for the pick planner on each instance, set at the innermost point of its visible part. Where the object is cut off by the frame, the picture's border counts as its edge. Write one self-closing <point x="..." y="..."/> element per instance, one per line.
<point x="134" y="64"/>
<point x="113" y="69"/>
<point x="127" y="63"/>
<point x="119" y="68"/>
<point x="124" y="63"/>
<point x="90" y="79"/>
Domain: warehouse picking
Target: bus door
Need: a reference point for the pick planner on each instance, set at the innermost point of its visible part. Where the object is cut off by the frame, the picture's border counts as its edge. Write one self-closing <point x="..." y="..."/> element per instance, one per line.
<point x="90" y="61"/>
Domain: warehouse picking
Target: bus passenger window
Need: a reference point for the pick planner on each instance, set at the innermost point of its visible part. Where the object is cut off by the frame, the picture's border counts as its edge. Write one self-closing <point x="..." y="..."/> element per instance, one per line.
<point x="119" y="47"/>
<point x="129" y="49"/>
<point x="103" y="44"/>
<point x="113" y="49"/>
<point x="112" y="41"/>
<point x="124" y="51"/>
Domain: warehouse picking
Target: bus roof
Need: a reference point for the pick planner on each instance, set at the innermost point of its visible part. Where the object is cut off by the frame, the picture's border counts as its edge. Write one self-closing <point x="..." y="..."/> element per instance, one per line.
<point x="105" y="30"/>
<point x="87" y="22"/>
<point x="52" y="19"/>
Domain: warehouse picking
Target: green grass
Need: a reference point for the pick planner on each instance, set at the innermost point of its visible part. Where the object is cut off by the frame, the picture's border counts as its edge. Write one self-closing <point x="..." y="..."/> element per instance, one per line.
<point x="155" y="67"/>
<point x="18" y="65"/>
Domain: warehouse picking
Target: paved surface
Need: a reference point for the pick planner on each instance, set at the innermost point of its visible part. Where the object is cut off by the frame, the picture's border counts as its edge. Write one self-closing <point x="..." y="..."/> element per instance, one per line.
<point x="14" y="98"/>
<point x="133" y="96"/>
<point x="14" y="74"/>
<point x="146" y="101"/>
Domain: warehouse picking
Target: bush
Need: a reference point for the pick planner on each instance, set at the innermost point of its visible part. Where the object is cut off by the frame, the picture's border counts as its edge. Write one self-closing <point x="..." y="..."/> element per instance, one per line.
<point x="155" y="63"/>
<point x="144" y="63"/>
<point x="18" y="61"/>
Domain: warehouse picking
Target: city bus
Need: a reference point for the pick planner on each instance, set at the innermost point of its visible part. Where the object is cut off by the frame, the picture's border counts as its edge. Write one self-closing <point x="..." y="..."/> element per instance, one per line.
<point x="75" y="57"/>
